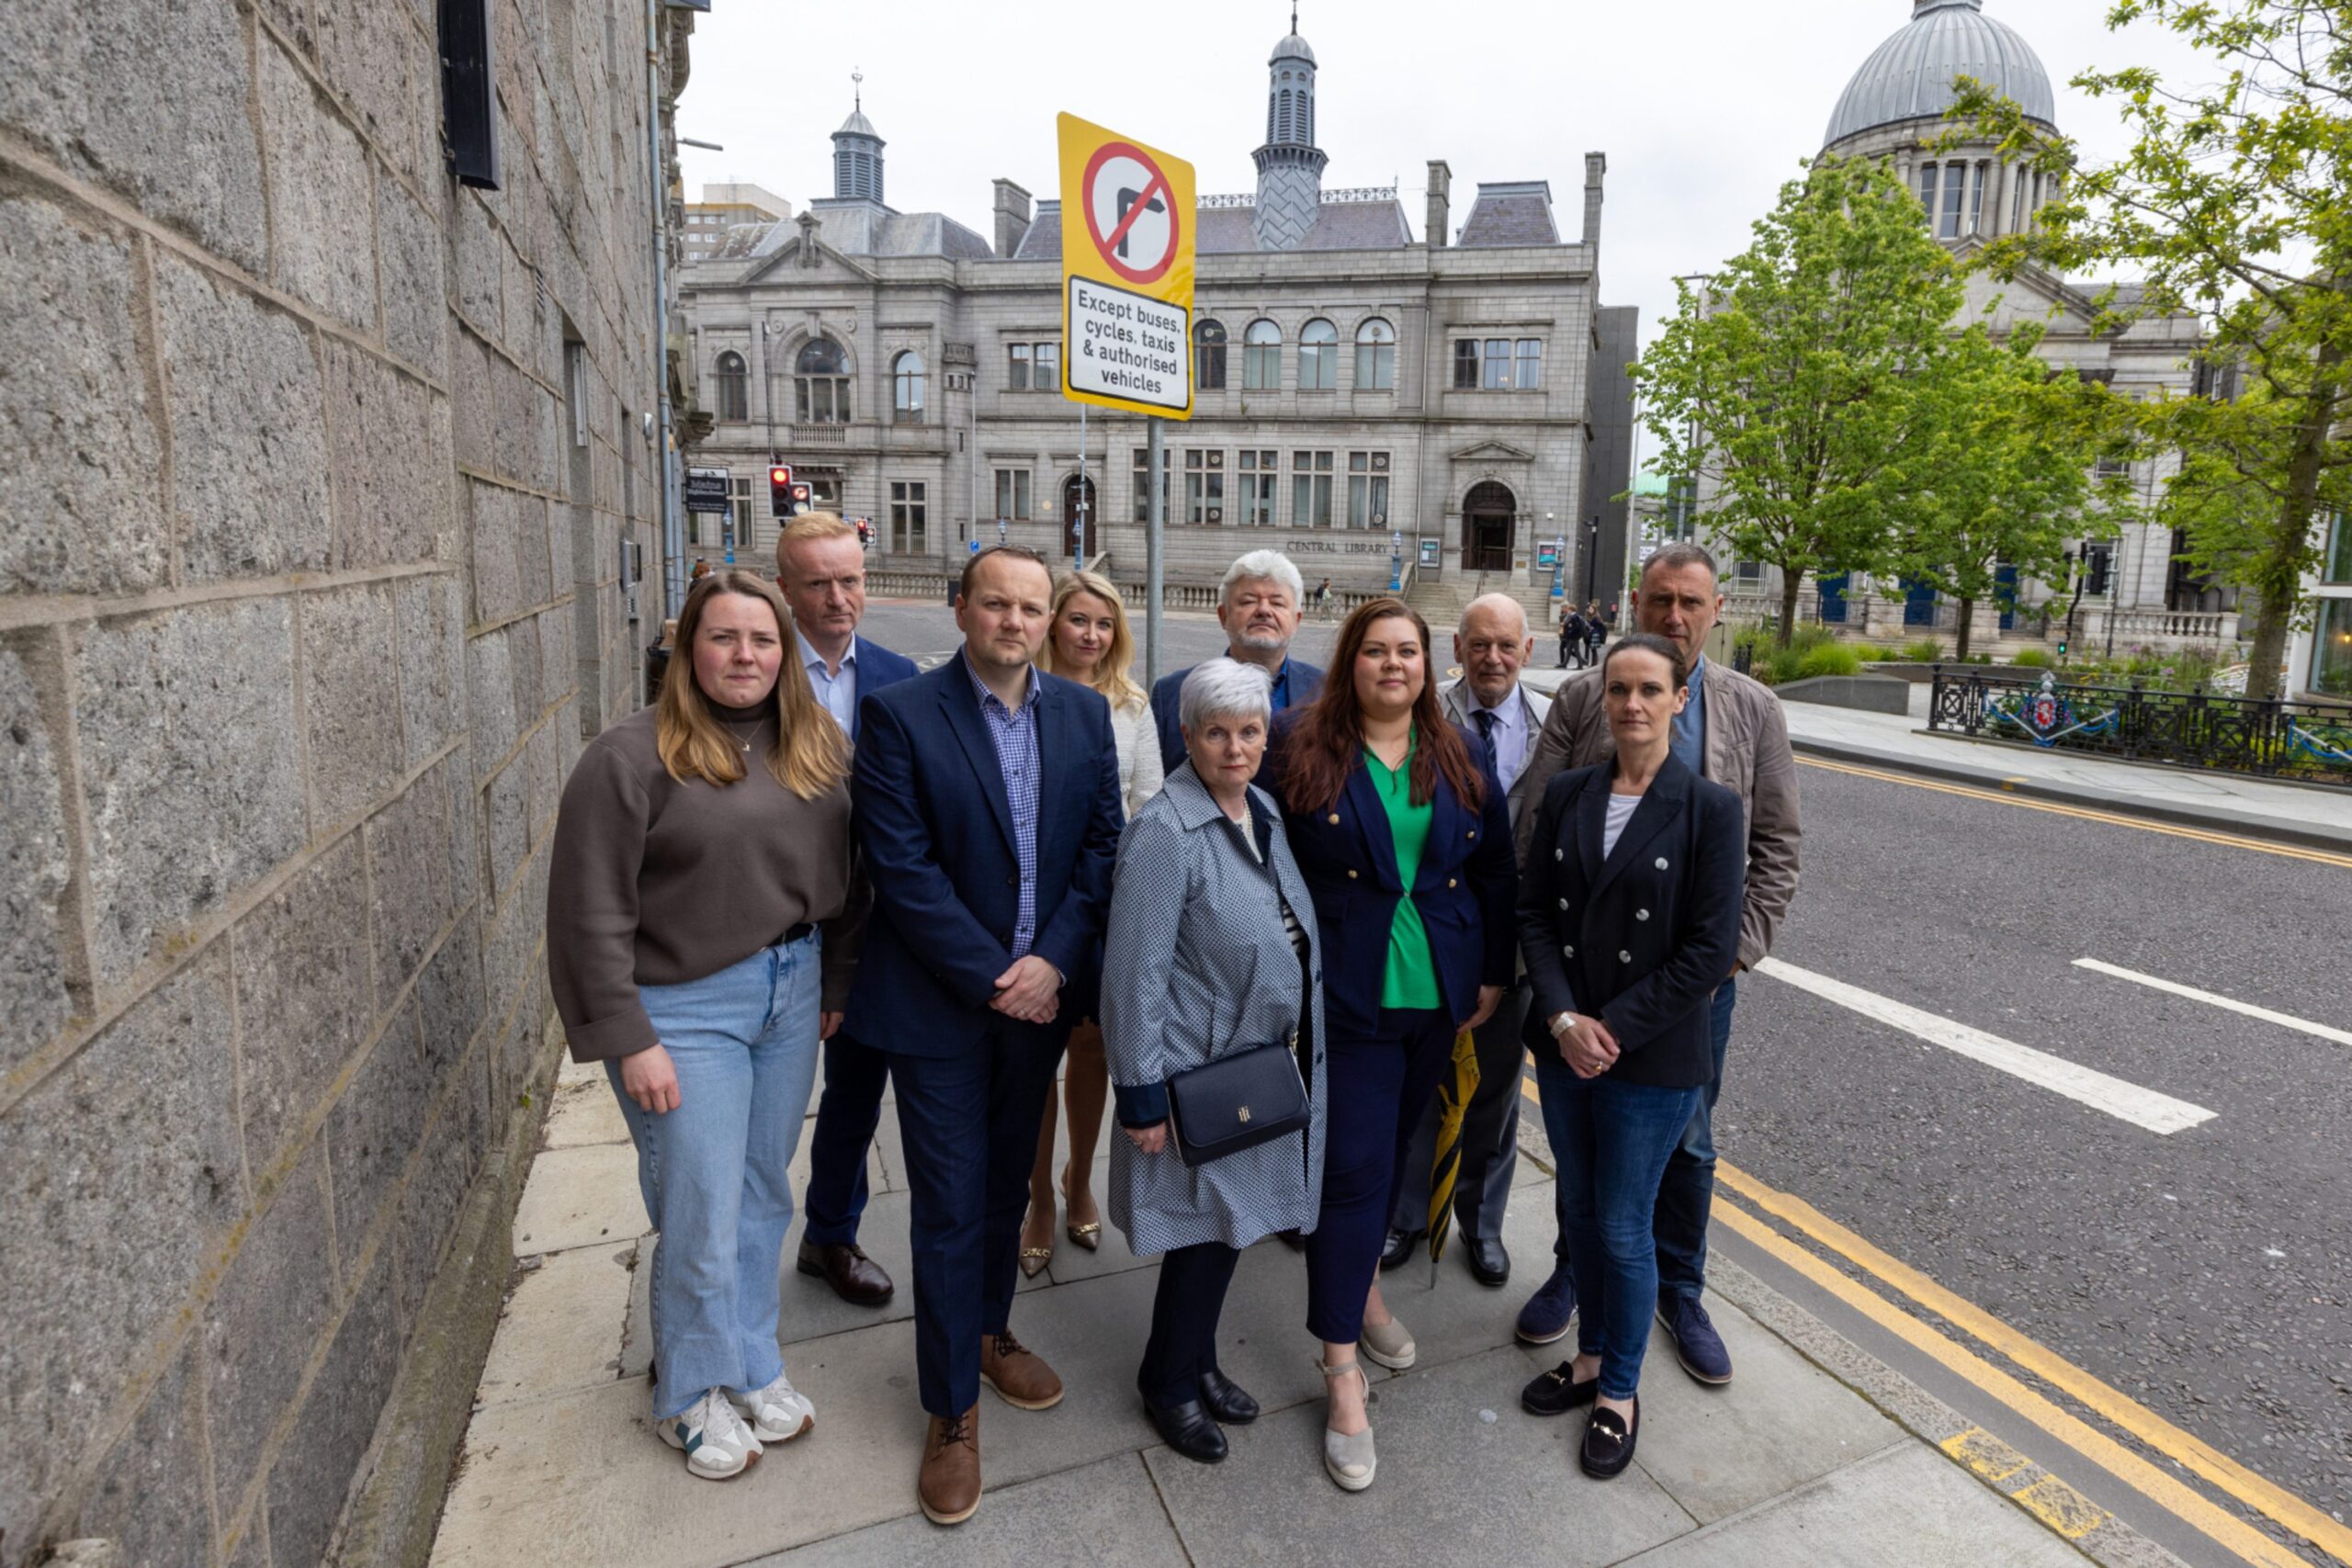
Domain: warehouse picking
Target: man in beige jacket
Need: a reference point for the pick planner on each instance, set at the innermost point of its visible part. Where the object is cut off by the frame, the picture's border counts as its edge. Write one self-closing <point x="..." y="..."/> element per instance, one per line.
<point x="1732" y="732"/>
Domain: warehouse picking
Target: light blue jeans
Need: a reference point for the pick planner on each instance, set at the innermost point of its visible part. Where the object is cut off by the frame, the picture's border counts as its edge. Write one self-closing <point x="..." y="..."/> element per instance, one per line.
<point x="714" y="1171"/>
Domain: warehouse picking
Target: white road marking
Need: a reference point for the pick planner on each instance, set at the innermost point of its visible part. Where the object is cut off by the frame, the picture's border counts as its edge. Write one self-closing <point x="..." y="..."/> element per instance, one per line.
<point x="2283" y="1020"/>
<point x="2126" y="1101"/>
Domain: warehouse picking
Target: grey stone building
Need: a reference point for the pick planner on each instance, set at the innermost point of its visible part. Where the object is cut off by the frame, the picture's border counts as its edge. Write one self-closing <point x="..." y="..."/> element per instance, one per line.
<point x="318" y="472"/>
<point x="1354" y="383"/>
<point x="1893" y="109"/>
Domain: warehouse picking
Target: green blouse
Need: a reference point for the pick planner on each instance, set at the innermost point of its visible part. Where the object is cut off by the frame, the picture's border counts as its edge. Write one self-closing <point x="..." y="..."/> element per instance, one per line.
<point x="1410" y="979"/>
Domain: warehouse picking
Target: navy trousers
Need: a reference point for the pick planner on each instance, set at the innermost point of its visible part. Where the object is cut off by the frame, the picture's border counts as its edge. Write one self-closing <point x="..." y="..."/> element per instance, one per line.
<point x="1377" y="1088"/>
<point x="1193" y="1281"/>
<point x="969" y="1123"/>
<point x="847" y="1114"/>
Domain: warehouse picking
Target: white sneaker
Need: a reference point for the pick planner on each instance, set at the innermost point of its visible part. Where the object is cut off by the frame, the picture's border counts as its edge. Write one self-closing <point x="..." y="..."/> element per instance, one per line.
<point x="717" y="1444"/>
<point x="777" y="1413"/>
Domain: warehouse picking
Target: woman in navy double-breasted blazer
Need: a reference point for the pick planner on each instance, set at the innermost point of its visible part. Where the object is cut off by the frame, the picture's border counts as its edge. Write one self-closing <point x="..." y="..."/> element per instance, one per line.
<point x="1629" y="918"/>
<point x="1403" y="833"/>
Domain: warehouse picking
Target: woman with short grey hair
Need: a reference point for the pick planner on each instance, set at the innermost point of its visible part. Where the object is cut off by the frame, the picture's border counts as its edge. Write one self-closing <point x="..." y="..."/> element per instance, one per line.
<point x="1210" y="953"/>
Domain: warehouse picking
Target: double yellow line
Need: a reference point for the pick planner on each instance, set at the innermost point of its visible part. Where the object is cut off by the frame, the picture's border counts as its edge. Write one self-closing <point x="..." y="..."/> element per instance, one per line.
<point x="2083" y="814"/>
<point x="2057" y="1505"/>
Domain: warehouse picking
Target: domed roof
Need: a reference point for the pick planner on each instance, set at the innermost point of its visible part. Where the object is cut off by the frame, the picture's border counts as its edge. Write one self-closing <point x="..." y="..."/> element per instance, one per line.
<point x="1910" y="76"/>
<point x="1292" y="48"/>
<point x="858" y="125"/>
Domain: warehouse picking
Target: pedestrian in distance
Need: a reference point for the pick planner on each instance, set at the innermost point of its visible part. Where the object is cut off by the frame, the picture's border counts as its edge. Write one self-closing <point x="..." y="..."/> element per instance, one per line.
<point x="702" y="905"/>
<point x="1572" y="644"/>
<point x="987" y="797"/>
<point x="820" y="565"/>
<point x="1258" y="605"/>
<point x="1402" y="831"/>
<point x="1596" y="633"/>
<point x="1628" y="921"/>
<point x="1731" y="731"/>
<point x="1492" y="644"/>
<point x="1090" y="643"/>
<point x="1323" y="600"/>
<point x="701" y="571"/>
<point x="1210" y="957"/>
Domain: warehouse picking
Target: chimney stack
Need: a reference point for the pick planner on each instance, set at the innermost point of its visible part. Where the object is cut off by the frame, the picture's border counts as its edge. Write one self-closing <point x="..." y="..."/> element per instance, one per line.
<point x="1012" y="217"/>
<point x="1439" y="232"/>
<point x="1596" y="165"/>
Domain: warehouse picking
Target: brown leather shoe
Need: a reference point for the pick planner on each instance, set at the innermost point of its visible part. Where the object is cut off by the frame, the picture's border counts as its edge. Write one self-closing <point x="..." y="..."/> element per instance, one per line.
<point x="1019" y="1374"/>
<point x="949" y="1487"/>
<point x="855" y="1277"/>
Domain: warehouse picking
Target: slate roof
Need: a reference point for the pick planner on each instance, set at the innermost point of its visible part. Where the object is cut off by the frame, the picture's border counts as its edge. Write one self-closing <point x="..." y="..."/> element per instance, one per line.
<point x="861" y="228"/>
<point x="1224" y="231"/>
<point x="1516" y="212"/>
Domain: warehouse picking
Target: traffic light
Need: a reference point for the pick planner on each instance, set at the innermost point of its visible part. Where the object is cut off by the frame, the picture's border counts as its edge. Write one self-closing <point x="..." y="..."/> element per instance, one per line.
<point x="865" y="533"/>
<point x="780" y="490"/>
<point x="799" y="498"/>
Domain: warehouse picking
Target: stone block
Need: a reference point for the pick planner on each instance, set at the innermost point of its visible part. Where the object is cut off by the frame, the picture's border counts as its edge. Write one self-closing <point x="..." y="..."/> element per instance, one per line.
<point x="545" y="755"/>
<point x="123" y="1174"/>
<point x="520" y="294"/>
<point x="470" y="385"/>
<point x="465" y="837"/>
<point x="34" y="865"/>
<point x="454" y="1144"/>
<point x="558" y="663"/>
<point x="408" y="875"/>
<point x="564" y="539"/>
<point x="508" y="799"/>
<point x="490" y="701"/>
<point x="430" y="633"/>
<point x="393" y="495"/>
<point x="249" y="495"/>
<point x="80" y="457"/>
<point x="497" y="587"/>
<point x="84" y="86"/>
<point x="523" y="665"/>
<point x="372" y="1131"/>
<point x="409" y="268"/>
<point x="475" y="257"/>
<point x="450" y="999"/>
<point x="151" y="1497"/>
<point x="531" y="560"/>
<point x="378" y="60"/>
<point x="304" y="996"/>
<point x="312" y="1475"/>
<point x="516" y="405"/>
<point x="323" y="197"/>
<point x="507" y="946"/>
<point x="276" y="1296"/>
<point x="351" y="698"/>
<point x="189" y="766"/>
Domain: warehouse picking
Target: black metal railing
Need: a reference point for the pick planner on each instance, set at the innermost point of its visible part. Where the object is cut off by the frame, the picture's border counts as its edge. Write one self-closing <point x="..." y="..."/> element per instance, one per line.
<point x="2310" y="741"/>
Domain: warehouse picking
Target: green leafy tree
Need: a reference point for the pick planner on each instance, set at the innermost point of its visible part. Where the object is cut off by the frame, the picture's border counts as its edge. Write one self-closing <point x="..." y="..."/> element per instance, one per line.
<point x="2236" y="201"/>
<point x="2002" y="471"/>
<point x="1787" y="382"/>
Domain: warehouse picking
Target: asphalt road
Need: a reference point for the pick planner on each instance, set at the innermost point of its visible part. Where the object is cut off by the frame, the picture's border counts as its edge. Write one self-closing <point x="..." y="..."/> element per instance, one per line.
<point x="2205" y="1272"/>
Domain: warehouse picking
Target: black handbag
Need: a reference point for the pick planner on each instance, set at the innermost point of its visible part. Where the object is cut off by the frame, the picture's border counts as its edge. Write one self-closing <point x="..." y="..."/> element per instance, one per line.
<point x="1237" y="1102"/>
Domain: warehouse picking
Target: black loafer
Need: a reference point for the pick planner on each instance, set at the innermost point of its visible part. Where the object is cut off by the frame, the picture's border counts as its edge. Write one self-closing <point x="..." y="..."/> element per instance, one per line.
<point x="1227" y="1400"/>
<point x="1188" y="1430"/>
<point x="1609" y="1443"/>
<point x="1490" y="1261"/>
<point x="1398" y="1247"/>
<point x="1557" y="1391"/>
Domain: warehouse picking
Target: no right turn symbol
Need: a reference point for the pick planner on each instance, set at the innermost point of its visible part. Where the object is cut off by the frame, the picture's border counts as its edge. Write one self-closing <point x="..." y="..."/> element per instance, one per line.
<point x="1130" y="215"/>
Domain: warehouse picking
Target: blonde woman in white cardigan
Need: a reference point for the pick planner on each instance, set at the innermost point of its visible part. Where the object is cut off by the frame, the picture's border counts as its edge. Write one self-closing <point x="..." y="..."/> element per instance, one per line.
<point x="1088" y="641"/>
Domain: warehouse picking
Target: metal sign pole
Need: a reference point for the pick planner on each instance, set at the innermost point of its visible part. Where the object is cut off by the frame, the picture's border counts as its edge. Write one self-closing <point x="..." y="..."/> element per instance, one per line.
<point x="1155" y="548"/>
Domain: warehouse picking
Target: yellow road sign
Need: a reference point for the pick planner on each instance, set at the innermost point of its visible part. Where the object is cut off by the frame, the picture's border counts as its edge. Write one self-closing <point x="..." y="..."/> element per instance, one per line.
<point x="1127" y="249"/>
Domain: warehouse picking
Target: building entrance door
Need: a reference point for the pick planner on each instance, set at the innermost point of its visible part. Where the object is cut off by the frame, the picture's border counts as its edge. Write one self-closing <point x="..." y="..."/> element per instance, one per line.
<point x="1078" y="508"/>
<point x="1489" y="519"/>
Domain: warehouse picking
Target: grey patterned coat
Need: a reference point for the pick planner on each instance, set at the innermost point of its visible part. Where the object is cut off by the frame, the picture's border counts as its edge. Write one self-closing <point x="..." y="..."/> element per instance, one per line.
<point x="1196" y="965"/>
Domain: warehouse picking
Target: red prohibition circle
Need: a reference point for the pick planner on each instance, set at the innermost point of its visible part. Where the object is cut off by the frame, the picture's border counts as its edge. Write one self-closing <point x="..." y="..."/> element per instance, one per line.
<point x="1106" y="246"/>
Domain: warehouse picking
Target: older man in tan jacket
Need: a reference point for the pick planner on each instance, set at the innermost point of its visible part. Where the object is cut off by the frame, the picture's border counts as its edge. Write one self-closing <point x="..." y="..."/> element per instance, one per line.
<point x="1732" y="732"/>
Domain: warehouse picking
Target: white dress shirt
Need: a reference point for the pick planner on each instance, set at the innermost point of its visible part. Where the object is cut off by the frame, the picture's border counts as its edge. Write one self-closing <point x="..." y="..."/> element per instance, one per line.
<point x="838" y="692"/>
<point x="1511" y="741"/>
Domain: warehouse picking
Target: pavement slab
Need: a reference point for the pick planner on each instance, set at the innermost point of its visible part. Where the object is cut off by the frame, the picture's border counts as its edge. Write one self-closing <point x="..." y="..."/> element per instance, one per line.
<point x="1108" y="1512"/>
<point x="579" y="1197"/>
<point x="561" y="1328"/>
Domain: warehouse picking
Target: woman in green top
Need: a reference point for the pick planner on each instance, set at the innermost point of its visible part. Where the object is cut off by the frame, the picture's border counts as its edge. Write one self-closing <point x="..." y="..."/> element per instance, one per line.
<point x="1403" y="833"/>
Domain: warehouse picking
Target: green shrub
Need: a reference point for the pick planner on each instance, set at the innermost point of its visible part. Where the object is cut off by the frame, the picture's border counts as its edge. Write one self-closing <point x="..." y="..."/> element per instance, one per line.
<point x="1872" y="653"/>
<point x="1923" y="650"/>
<point x="2034" y="659"/>
<point x="1827" y="659"/>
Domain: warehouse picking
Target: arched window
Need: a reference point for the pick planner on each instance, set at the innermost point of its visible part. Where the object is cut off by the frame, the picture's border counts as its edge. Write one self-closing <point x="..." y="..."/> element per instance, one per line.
<point x="733" y="381"/>
<point x="820" y="378"/>
<point x="1376" y="356"/>
<point x="1208" y="357"/>
<point x="905" y="389"/>
<point x="1319" y="356"/>
<point x="1261" y="357"/>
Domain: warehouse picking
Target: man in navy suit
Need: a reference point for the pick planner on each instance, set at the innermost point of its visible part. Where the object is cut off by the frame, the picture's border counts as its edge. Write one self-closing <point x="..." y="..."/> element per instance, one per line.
<point x="1258" y="607"/>
<point x="820" y="565"/>
<point x="986" y="801"/>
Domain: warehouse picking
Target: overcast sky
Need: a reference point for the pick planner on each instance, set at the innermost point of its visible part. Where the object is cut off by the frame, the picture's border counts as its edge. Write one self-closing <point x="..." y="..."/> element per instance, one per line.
<point x="1704" y="106"/>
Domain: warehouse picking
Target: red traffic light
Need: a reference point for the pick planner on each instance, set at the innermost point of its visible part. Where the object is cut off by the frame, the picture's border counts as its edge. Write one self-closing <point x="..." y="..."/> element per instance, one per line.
<point x="779" y="475"/>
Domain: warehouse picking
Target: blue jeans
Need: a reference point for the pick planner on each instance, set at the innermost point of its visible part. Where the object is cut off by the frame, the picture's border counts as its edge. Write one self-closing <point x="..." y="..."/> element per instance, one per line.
<point x="1611" y="1141"/>
<point x="714" y="1171"/>
<point x="1688" y="1192"/>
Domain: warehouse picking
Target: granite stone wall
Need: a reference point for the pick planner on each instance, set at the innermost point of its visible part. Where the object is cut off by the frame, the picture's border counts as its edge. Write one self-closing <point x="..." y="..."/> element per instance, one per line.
<point x="316" y="474"/>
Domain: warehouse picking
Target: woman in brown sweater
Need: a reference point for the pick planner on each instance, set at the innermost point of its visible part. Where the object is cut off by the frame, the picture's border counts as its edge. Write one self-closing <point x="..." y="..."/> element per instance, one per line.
<point x="700" y="906"/>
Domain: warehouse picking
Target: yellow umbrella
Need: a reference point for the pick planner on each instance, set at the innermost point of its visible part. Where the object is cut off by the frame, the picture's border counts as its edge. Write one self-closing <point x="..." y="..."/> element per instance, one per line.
<point x="1454" y="1098"/>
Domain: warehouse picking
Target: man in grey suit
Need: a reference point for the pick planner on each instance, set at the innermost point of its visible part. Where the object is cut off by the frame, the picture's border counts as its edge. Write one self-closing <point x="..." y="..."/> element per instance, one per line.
<point x="1492" y="644"/>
